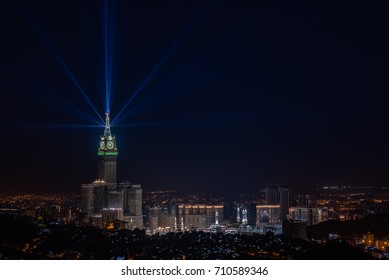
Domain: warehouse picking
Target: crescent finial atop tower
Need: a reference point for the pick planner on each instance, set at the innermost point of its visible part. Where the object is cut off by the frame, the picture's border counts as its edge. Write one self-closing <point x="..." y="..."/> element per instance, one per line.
<point x="107" y="130"/>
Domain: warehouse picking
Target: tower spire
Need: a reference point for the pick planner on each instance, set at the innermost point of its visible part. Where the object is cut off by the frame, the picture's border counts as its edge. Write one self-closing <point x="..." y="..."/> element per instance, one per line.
<point x="107" y="130"/>
<point x="107" y="154"/>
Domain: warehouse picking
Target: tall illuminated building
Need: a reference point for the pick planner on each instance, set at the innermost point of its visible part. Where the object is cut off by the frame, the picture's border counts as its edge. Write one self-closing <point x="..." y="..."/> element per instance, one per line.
<point x="104" y="201"/>
<point x="107" y="155"/>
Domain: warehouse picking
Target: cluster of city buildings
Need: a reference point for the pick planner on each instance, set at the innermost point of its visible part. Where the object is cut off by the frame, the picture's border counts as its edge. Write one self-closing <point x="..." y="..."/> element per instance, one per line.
<point x="376" y="246"/>
<point x="109" y="204"/>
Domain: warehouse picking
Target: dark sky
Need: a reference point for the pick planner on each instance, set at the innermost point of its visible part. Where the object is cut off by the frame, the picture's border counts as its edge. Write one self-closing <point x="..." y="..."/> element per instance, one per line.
<point x="236" y="94"/>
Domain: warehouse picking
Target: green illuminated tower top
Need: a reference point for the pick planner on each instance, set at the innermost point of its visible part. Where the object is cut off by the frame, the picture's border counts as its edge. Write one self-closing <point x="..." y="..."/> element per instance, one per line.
<point x="107" y="154"/>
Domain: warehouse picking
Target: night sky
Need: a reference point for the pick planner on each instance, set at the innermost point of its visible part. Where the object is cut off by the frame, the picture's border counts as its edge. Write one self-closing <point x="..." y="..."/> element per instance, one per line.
<point x="226" y="96"/>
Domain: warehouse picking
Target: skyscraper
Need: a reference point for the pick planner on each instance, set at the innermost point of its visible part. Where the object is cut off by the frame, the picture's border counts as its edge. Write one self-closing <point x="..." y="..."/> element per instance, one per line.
<point x="132" y="204"/>
<point x="133" y="198"/>
<point x="283" y="194"/>
<point x="103" y="201"/>
<point x="271" y="196"/>
<point x="278" y="196"/>
<point x="94" y="197"/>
<point x="309" y="215"/>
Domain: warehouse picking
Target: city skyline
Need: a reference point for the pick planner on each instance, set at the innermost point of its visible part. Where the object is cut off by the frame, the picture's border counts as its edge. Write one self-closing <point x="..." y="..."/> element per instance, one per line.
<point x="207" y="96"/>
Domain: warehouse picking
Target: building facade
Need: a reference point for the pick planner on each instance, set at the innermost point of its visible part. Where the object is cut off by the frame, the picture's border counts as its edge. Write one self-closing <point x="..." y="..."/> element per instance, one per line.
<point x="311" y="216"/>
<point x="94" y="197"/>
<point x="200" y="215"/>
<point x="267" y="214"/>
<point x="283" y="194"/>
<point x="160" y="218"/>
<point x="278" y="196"/>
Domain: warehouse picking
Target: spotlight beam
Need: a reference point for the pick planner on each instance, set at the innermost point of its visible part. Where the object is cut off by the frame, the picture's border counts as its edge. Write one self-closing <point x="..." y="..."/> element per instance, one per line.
<point x="63" y="125"/>
<point x="50" y="125"/>
<point x="74" y="109"/>
<point x="151" y="99"/>
<point x="202" y="122"/>
<point x="60" y="61"/>
<point x="107" y="60"/>
<point x="167" y="55"/>
<point x="71" y="108"/>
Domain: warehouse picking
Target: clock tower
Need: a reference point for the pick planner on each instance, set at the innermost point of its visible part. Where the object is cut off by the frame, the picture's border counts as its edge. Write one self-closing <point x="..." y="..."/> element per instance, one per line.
<point x="107" y="154"/>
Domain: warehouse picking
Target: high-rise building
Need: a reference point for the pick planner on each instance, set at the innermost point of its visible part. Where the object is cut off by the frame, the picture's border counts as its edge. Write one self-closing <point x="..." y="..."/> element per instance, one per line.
<point x="311" y="216"/>
<point x="160" y="219"/>
<point x="283" y="194"/>
<point x="103" y="201"/>
<point x="305" y="200"/>
<point x="271" y="196"/>
<point x="132" y="198"/>
<point x="153" y="217"/>
<point x="278" y="196"/>
<point x="132" y="204"/>
<point x="115" y="199"/>
<point x="94" y="197"/>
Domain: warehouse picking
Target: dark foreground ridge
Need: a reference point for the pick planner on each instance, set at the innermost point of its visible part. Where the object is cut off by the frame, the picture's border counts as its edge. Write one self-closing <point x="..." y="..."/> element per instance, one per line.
<point x="379" y="224"/>
<point x="21" y="238"/>
<point x="337" y="250"/>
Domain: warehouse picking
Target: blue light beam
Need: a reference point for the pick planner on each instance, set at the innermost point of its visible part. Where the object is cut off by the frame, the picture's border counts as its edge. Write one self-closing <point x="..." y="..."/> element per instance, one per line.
<point x="108" y="59"/>
<point x="50" y="125"/>
<point x="164" y="86"/>
<point x="167" y="55"/>
<point x="194" y="122"/>
<point x="42" y="36"/>
<point x="165" y="91"/>
<point x="74" y="109"/>
<point x="63" y="125"/>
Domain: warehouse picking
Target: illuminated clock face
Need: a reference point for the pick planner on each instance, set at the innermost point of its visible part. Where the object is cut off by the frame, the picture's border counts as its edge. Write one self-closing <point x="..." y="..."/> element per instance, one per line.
<point x="102" y="145"/>
<point x="110" y="145"/>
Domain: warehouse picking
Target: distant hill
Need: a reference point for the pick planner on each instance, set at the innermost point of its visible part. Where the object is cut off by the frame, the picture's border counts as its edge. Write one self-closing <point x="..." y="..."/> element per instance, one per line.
<point x="377" y="224"/>
<point x="16" y="231"/>
<point x="336" y="250"/>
